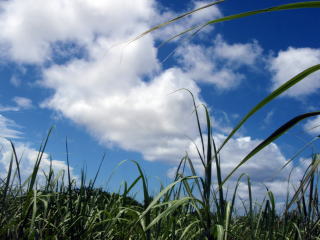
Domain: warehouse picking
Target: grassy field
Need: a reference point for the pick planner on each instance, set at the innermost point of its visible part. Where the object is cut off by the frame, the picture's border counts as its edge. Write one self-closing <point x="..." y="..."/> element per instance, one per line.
<point x="191" y="207"/>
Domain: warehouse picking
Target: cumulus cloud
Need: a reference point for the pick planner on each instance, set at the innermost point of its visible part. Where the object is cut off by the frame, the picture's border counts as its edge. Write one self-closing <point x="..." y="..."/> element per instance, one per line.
<point x="27" y="154"/>
<point x="142" y="117"/>
<point x="31" y="27"/>
<point x="218" y="64"/>
<point x="119" y="93"/>
<point x="237" y="53"/>
<point x="292" y="61"/>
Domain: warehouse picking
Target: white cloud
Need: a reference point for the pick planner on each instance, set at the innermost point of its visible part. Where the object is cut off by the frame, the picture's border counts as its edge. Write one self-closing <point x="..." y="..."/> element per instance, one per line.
<point x="139" y="116"/>
<point x="20" y="103"/>
<point x="6" y="128"/>
<point x="30" y="27"/>
<point x="312" y="126"/>
<point x="106" y="91"/>
<point x="220" y="63"/>
<point x="198" y="63"/>
<point x="237" y="53"/>
<point x="292" y="61"/>
<point x="23" y="103"/>
<point x="120" y="94"/>
<point x="262" y="166"/>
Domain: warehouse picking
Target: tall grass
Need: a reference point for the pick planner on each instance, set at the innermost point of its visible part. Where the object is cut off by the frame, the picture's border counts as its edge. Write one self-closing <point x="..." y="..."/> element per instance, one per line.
<point x="191" y="207"/>
<point x="188" y="208"/>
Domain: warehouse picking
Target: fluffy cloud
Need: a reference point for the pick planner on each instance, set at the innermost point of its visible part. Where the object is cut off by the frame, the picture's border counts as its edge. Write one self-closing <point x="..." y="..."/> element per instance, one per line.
<point x="23" y="103"/>
<point x="27" y="154"/>
<point x="220" y="63"/>
<point x="31" y="27"/>
<point x="238" y="53"/>
<point x="120" y="93"/>
<point x="142" y="117"/>
<point x="312" y="126"/>
<point x="292" y="61"/>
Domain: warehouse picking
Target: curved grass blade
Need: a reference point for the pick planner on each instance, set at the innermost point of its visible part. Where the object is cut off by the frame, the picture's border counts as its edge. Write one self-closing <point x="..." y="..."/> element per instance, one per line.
<point x="284" y="87"/>
<point x="299" y="152"/>
<point x="306" y="179"/>
<point x="162" y="193"/>
<point x="169" y="210"/>
<point x="187" y="229"/>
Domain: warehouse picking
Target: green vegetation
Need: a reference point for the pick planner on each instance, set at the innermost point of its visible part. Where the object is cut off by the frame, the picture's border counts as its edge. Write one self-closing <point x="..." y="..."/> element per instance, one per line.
<point x="188" y="208"/>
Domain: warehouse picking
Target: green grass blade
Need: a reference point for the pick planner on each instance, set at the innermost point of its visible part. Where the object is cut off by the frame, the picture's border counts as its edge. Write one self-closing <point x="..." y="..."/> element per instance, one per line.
<point x="131" y="186"/>
<point x="219" y="232"/>
<point x="187" y="229"/>
<point x="7" y="183"/>
<point x="290" y="6"/>
<point x="193" y="171"/>
<point x="163" y="192"/>
<point x="169" y="210"/>
<point x="227" y="220"/>
<point x="146" y="199"/>
<point x="17" y="162"/>
<point x="312" y="169"/>
<point x="272" y="96"/>
<point x="250" y="215"/>
<point x="97" y="173"/>
<point x="38" y="161"/>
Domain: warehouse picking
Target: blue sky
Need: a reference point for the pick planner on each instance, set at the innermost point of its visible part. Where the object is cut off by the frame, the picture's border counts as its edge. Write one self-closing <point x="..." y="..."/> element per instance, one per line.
<point x="67" y="63"/>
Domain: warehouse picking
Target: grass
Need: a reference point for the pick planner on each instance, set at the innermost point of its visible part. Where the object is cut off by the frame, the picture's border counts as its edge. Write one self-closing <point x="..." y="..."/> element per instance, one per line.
<point x="188" y="208"/>
<point x="191" y="207"/>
